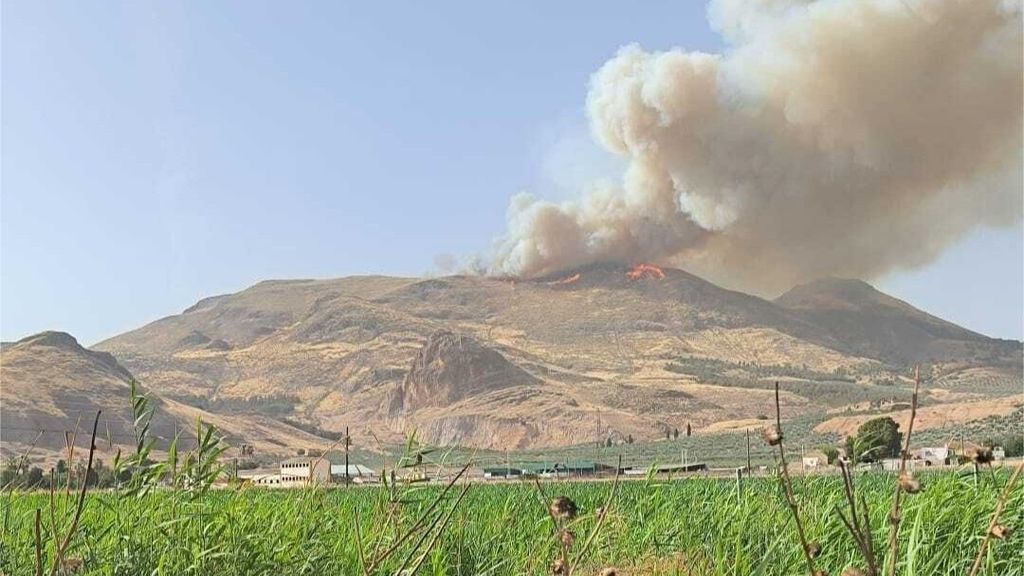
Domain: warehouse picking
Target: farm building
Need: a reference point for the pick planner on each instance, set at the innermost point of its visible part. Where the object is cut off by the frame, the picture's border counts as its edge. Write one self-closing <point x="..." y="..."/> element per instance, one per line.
<point x="305" y="470"/>
<point x="356" y="473"/>
<point x="272" y="480"/>
<point x="934" y="456"/>
<point x="665" y="469"/>
<point x="502" y="472"/>
<point x="565" y="469"/>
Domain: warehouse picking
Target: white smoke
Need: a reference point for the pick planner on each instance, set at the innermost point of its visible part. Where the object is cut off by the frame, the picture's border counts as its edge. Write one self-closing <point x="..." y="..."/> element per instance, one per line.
<point x="834" y="137"/>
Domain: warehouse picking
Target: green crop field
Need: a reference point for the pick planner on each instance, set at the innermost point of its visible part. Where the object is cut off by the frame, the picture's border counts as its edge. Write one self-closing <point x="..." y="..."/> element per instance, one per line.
<point x="686" y="526"/>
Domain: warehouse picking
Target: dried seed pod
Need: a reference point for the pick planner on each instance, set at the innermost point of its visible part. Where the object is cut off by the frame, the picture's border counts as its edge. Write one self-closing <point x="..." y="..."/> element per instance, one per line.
<point x="562" y="508"/>
<point x="599" y="512"/>
<point x="909" y="484"/>
<point x="851" y="571"/>
<point x="557" y="566"/>
<point x="567" y="538"/>
<point x="772" y="435"/>
<point x="982" y="455"/>
<point x="1001" y="532"/>
<point x="609" y="571"/>
<point x="813" y="549"/>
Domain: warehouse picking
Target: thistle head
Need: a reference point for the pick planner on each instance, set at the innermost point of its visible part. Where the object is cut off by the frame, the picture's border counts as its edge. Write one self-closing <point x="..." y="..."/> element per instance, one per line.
<point x="813" y="549"/>
<point x="909" y="484"/>
<point x="1001" y="532"/>
<point x="562" y="508"/>
<point x="982" y="455"/>
<point x="772" y="435"/>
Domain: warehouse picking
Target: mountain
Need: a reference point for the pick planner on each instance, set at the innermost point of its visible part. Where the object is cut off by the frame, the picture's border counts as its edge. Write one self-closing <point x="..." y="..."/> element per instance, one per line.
<point x="876" y="325"/>
<point x="53" y="385"/>
<point x="602" y="351"/>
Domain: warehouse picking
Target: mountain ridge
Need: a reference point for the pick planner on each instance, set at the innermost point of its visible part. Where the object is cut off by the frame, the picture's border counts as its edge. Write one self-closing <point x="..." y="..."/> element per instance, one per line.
<point x="603" y="351"/>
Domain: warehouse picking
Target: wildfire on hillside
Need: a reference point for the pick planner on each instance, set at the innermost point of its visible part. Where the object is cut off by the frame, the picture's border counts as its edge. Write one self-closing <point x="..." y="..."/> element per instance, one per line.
<point x="566" y="280"/>
<point x="645" y="272"/>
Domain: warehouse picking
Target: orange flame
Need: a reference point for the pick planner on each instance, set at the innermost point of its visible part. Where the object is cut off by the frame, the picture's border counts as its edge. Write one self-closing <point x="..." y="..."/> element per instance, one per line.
<point x="566" y="280"/>
<point x="645" y="271"/>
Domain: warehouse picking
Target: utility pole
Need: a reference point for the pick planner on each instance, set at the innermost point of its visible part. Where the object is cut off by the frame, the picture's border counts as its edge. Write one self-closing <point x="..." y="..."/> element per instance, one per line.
<point x="748" y="450"/>
<point x="348" y="442"/>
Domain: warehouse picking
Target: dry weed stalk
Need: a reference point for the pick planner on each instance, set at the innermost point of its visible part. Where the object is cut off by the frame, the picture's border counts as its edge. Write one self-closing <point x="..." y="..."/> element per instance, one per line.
<point x="775" y="438"/>
<point x="859" y="523"/>
<point x="993" y="524"/>
<point x="433" y="539"/>
<point x="562" y="511"/>
<point x="905" y="483"/>
<point x="61" y="546"/>
<point x="377" y="559"/>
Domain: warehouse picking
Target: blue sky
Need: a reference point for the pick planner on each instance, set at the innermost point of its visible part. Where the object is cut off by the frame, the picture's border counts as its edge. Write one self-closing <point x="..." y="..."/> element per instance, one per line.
<point x="154" y="154"/>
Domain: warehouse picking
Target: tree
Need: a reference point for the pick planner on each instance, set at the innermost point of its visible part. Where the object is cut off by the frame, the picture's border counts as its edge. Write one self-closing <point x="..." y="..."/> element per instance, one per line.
<point x="831" y="454"/>
<point x="33" y="478"/>
<point x="629" y="439"/>
<point x="675" y="433"/>
<point x="875" y="439"/>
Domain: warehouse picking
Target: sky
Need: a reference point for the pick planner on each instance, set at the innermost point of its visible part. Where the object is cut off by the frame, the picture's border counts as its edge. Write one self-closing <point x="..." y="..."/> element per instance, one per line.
<point x="153" y="154"/>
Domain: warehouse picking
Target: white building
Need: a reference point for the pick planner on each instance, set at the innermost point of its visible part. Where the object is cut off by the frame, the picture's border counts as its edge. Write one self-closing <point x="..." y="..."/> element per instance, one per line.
<point x="270" y="480"/>
<point x="934" y="456"/>
<point x="305" y="470"/>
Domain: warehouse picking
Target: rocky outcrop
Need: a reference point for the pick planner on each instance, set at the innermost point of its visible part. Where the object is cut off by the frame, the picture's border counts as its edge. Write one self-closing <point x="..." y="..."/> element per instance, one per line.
<point x="451" y="367"/>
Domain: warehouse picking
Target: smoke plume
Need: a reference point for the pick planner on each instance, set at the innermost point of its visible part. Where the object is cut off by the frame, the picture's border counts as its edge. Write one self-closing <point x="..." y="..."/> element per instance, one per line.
<point x="833" y="137"/>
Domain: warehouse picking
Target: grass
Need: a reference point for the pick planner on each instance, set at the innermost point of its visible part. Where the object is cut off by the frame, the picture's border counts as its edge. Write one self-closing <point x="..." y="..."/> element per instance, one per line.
<point x="697" y="524"/>
<point x="168" y="518"/>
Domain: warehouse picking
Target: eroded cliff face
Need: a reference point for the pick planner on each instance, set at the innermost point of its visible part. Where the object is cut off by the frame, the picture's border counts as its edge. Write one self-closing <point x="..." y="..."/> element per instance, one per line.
<point x="451" y="367"/>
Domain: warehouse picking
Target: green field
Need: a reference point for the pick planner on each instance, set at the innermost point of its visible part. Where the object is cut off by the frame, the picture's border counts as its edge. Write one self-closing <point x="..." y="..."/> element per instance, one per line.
<point x="690" y="526"/>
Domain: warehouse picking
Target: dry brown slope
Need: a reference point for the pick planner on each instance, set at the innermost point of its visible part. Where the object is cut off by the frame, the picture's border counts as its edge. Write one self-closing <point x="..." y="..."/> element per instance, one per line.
<point x="596" y="342"/>
<point x="51" y="384"/>
<point x="870" y="323"/>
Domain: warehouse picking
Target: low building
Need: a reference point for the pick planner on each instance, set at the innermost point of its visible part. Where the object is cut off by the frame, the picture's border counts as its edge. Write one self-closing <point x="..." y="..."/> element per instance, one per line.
<point x="505" y="472"/>
<point x="305" y="470"/>
<point x="354" y="473"/>
<point x="677" y="468"/>
<point x="934" y="456"/>
<point x="268" y="480"/>
<point x="260" y="477"/>
<point x="893" y="464"/>
<point x="565" y="469"/>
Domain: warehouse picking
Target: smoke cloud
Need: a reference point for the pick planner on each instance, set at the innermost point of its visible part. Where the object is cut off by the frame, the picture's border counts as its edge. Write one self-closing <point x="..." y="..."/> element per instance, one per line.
<point x="833" y="137"/>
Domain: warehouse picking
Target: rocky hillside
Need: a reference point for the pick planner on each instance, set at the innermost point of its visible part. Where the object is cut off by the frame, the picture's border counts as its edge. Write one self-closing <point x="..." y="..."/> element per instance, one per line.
<point x="451" y="367"/>
<point x="51" y="385"/>
<point x="604" y="351"/>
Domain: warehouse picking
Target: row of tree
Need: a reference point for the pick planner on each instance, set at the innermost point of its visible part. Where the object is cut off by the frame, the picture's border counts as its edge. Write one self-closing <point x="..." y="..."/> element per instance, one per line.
<point x="881" y="438"/>
<point x="16" y="475"/>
